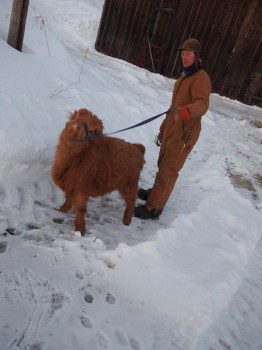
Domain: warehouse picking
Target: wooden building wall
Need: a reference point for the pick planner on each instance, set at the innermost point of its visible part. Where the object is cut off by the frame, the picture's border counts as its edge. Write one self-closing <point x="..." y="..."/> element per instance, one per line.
<point x="230" y="32"/>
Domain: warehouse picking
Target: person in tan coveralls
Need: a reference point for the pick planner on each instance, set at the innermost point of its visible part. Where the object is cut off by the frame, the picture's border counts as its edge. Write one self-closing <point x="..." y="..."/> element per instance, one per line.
<point x="179" y="131"/>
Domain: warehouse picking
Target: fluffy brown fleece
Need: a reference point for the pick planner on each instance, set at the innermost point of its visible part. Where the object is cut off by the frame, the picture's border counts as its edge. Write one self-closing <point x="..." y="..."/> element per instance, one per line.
<point x="90" y="164"/>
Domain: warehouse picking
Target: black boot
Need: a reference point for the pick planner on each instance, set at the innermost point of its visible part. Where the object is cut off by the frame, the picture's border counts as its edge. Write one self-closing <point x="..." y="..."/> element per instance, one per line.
<point x="143" y="194"/>
<point x="143" y="213"/>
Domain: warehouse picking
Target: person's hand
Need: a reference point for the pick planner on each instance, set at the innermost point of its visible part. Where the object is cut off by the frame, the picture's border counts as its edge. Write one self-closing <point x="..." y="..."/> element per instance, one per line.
<point x="172" y="111"/>
<point x="181" y="113"/>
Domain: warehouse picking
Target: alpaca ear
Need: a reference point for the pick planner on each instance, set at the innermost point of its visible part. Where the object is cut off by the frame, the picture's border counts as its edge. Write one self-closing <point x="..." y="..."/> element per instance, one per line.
<point x="73" y="115"/>
<point x="99" y="127"/>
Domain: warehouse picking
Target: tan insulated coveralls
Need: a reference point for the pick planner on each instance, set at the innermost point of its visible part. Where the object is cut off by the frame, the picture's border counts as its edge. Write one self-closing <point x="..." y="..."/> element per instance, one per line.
<point x="179" y="138"/>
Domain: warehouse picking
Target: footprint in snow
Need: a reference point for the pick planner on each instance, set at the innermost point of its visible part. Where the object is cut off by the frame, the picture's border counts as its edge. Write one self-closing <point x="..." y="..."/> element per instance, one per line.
<point x="110" y="298"/>
<point x="13" y="289"/>
<point x="89" y="298"/>
<point x="123" y="340"/>
<point x="40" y="204"/>
<point x="13" y="231"/>
<point x="56" y="301"/>
<point x="86" y="322"/>
<point x="121" y="337"/>
<point x="80" y="274"/>
<point x="58" y="220"/>
<point x="102" y="339"/>
<point x="30" y="227"/>
<point x="135" y="344"/>
<point x="3" y="246"/>
<point x="36" y="346"/>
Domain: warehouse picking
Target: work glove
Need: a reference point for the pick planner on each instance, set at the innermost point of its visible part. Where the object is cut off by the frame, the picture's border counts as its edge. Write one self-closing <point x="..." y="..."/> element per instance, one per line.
<point x="181" y="113"/>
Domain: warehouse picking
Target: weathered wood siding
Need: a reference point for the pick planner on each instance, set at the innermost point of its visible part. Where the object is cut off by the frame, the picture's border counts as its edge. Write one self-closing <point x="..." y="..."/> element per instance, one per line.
<point x="230" y="32"/>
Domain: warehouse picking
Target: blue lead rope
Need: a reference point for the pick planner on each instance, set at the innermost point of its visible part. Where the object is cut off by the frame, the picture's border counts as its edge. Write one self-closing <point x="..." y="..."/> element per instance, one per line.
<point x="94" y="137"/>
<point x="138" y="124"/>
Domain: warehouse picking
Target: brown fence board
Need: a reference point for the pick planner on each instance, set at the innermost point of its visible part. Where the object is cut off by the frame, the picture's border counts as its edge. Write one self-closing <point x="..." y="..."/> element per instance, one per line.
<point x="142" y="14"/>
<point x="230" y="32"/>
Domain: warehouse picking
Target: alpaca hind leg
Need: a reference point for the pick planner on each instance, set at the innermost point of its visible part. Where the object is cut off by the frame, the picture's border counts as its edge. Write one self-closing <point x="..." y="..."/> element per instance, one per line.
<point x="130" y="199"/>
<point x="79" y="205"/>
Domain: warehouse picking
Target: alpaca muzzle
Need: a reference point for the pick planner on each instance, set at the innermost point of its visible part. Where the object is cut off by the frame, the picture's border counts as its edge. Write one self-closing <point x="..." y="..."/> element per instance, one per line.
<point x="88" y="134"/>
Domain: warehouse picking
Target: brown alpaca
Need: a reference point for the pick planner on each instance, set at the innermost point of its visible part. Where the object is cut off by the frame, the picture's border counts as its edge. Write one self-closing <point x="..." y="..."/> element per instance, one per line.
<point x="90" y="164"/>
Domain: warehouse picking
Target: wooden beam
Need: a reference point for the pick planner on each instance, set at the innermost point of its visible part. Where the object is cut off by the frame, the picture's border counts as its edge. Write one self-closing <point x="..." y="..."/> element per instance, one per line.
<point x="17" y="24"/>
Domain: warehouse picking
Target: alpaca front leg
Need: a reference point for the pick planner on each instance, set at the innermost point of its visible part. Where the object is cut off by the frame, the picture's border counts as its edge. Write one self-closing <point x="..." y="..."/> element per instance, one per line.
<point x="130" y="200"/>
<point x="79" y="205"/>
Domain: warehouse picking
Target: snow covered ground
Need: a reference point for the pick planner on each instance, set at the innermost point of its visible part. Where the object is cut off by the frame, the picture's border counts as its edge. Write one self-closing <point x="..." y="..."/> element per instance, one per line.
<point x="190" y="281"/>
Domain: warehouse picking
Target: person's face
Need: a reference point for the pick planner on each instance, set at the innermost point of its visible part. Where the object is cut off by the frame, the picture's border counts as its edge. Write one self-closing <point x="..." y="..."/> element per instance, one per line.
<point x="188" y="58"/>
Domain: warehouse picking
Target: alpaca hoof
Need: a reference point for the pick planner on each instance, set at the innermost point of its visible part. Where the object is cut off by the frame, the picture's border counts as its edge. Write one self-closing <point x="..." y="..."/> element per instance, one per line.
<point x="126" y="222"/>
<point x="82" y="230"/>
<point x="78" y="231"/>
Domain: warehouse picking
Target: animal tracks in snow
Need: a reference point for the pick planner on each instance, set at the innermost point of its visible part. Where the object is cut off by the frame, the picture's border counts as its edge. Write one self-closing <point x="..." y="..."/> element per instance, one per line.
<point x="43" y="301"/>
<point x="26" y="285"/>
<point x="32" y="208"/>
<point x="13" y="289"/>
<point x="43" y="244"/>
<point x="95" y="296"/>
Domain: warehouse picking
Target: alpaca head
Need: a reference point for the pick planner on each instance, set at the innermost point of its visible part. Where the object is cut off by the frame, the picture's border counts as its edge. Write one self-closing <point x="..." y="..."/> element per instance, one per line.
<point x="83" y="125"/>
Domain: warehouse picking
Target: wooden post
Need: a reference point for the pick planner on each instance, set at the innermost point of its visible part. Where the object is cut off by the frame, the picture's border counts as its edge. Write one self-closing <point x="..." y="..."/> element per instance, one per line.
<point x="17" y="24"/>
